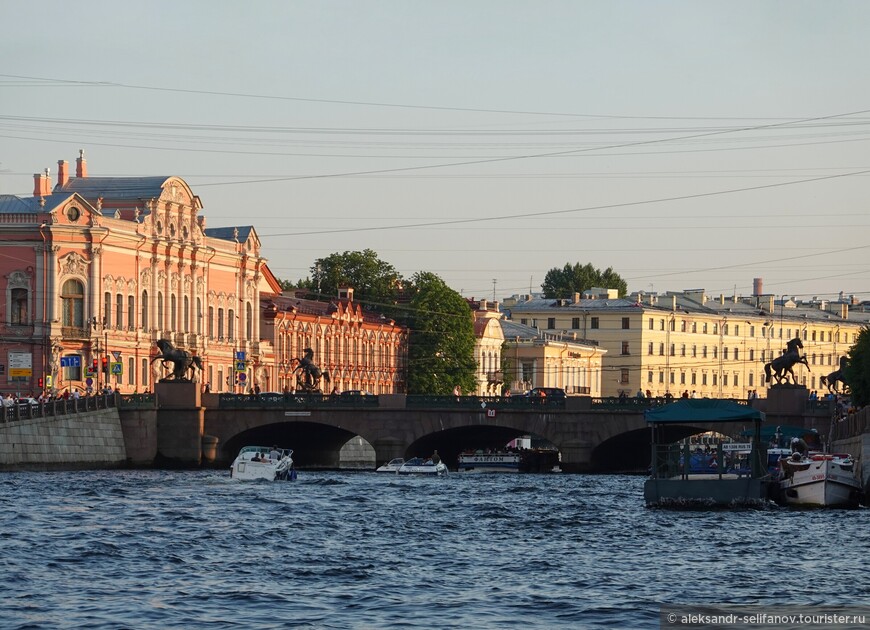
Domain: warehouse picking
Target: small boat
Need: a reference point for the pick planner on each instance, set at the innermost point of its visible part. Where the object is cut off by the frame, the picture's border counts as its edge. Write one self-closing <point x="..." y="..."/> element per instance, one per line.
<point x="262" y="462"/>
<point x="819" y="479"/>
<point x="391" y="466"/>
<point x="420" y="466"/>
<point x="489" y="462"/>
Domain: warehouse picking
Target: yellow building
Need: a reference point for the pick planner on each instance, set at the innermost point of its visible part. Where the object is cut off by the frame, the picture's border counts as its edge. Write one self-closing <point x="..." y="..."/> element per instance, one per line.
<point x="687" y="342"/>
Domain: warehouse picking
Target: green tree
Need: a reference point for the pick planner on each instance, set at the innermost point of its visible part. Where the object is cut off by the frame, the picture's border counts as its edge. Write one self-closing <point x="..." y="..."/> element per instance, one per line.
<point x="376" y="284"/>
<point x="576" y="278"/>
<point x="441" y="338"/>
<point x="858" y="368"/>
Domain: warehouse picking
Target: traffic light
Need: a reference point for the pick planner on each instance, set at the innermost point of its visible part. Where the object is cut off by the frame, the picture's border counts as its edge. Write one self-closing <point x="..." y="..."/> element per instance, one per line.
<point x="40" y="383"/>
<point x="105" y="365"/>
<point x="94" y="370"/>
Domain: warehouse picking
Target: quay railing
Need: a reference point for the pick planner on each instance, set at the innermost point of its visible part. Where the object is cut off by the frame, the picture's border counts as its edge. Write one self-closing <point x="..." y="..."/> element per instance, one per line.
<point x="56" y="407"/>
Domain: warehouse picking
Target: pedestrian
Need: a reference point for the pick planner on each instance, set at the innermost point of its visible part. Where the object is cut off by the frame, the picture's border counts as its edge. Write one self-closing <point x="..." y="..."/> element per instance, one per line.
<point x="457" y="391"/>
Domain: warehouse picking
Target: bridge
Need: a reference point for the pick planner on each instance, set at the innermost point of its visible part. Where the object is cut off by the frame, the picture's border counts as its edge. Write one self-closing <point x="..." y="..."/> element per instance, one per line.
<point x="591" y="434"/>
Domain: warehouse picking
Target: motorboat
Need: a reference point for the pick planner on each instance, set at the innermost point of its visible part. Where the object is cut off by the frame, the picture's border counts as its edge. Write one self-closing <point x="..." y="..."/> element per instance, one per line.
<point x="391" y="466"/>
<point x="420" y="466"/>
<point x="819" y="479"/>
<point x="263" y="462"/>
<point x="479" y="461"/>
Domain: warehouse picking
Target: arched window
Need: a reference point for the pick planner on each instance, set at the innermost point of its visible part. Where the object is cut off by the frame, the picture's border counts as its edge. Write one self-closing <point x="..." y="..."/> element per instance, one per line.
<point x="185" y="324"/>
<point x="220" y="323"/>
<point x="107" y="310"/>
<point x="211" y="322"/>
<point x="249" y="322"/>
<point x="73" y="303"/>
<point x="198" y="316"/>
<point x="18" y="300"/>
<point x="119" y="311"/>
<point x="160" y="323"/>
<point x="144" y="317"/>
<point x="173" y="313"/>
<point x="131" y="312"/>
<point x="231" y="324"/>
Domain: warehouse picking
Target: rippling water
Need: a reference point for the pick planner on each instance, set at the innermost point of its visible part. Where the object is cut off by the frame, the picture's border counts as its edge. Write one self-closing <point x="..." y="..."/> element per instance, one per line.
<point x="158" y="549"/>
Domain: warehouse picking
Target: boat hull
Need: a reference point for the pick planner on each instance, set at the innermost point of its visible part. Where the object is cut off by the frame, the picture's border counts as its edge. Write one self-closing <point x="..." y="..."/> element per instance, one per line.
<point x="489" y="463"/>
<point x="826" y="482"/>
<point x="427" y="470"/>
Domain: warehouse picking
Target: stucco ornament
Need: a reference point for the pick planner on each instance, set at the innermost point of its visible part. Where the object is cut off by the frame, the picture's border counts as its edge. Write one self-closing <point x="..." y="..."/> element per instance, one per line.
<point x="74" y="265"/>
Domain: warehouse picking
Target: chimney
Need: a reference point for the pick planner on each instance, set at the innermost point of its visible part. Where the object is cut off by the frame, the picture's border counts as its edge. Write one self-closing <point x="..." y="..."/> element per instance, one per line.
<point x="62" y="172"/>
<point x="41" y="184"/>
<point x="756" y="287"/>
<point x="576" y="297"/>
<point x="81" y="164"/>
<point x="844" y="310"/>
<point x="722" y="298"/>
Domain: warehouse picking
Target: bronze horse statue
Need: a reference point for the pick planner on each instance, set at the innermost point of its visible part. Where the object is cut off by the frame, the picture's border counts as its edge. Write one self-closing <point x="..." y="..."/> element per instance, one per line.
<point x="837" y="376"/>
<point x="781" y="367"/>
<point x="181" y="360"/>
<point x="308" y="375"/>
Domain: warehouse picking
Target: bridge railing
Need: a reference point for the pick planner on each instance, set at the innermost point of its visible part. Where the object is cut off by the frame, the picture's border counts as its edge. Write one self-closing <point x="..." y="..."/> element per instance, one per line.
<point x="137" y="401"/>
<point x="480" y="402"/>
<point x="55" y="407"/>
<point x="290" y="401"/>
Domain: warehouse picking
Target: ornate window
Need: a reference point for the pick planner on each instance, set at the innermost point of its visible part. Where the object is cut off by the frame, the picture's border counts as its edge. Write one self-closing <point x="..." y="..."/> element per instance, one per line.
<point x="131" y="312"/>
<point x="73" y="304"/>
<point x="119" y="311"/>
<point x="160" y="323"/>
<point x="144" y="315"/>
<point x="18" y="299"/>
<point x="107" y="309"/>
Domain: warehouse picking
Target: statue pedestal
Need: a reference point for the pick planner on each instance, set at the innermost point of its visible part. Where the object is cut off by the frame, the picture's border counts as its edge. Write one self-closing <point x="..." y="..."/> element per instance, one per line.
<point x="177" y="395"/>
<point x="787" y="399"/>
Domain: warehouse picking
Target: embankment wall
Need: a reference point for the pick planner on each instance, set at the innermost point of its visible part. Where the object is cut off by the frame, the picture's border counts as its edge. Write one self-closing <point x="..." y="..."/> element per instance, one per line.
<point x="91" y="440"/>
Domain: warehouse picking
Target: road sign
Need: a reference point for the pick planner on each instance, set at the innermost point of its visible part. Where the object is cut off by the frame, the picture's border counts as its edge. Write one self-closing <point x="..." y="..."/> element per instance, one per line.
<point x="117" y="367"/>
<point x="242" y="377"/>
<point x="240" y="355"/>
<point x="88" y="381"/>
<point x="240" y="366"/>
<point x="116" y="354"/>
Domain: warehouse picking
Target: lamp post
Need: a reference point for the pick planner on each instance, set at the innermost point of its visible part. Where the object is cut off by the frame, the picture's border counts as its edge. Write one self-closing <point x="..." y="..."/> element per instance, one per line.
<point x="722" y="325"/>
<point x="670" y="324"/>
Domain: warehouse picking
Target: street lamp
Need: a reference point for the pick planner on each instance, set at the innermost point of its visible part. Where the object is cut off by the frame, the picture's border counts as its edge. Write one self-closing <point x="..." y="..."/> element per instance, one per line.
<point x="670" y="324"/>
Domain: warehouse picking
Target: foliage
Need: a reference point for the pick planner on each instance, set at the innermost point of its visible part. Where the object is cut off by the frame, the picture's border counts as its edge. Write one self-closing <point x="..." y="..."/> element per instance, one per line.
<point x="858" y="368"/>
<point x="375" y="283"/>
<point x="576" y="278"/>
<point x="441" y="338"/>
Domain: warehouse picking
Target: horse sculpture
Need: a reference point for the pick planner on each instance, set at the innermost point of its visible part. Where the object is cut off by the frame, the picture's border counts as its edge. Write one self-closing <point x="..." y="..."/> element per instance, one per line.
<point x="837" y="376"/>
<point x="781" y="367"/>
<point x="308" y="375"/>
<point x="182" y="361"/>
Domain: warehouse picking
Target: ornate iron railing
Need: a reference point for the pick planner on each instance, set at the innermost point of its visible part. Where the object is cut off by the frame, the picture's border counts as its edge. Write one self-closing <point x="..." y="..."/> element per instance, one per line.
<point x="55" y="407"/>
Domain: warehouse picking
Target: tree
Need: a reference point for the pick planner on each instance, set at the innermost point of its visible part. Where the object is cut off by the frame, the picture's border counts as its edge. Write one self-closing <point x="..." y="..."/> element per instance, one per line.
<point x="576" y="278"/>
<point x="375" y="283"/>
<point x="858" y="368"/>
<point x="441" y="338"/>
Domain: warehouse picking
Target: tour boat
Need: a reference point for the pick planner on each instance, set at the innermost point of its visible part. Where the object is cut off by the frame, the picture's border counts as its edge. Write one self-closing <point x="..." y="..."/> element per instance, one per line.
<point x="391" y="466"/>
<point x="420" y="466"/>
<point x="489" y="462"/>
<point x="825" y="480"/>
<point x="257" y="462"/>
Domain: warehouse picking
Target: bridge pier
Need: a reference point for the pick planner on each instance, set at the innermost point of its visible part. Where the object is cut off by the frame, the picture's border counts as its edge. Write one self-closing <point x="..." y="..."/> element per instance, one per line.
<point x="387" y="449"/>
<point x="180" y="423"/>
<point x="576" y="456"/>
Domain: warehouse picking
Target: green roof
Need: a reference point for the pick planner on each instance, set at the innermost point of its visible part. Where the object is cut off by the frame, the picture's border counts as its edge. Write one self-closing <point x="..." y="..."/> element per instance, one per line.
<point x="702" y="410"/>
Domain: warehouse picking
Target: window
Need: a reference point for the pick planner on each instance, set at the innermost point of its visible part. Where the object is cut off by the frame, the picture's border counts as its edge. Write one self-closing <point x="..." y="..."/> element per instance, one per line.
<point x="575" y="323"/>
<point x="694" y="350"/>
<point x="724" y="380"/>
<point x="231" y="324"/>
<point x="211" y="322"/>
<point x="131" y="312"/>
<point x="173" y="313"/>
<point x="73" y="303"/>
<point x="524" y="321"/>
<point x="683" y="350"/>
<point x="736" y="354"/>
<point x="119" y="311"/>
<point x="661" y="377"/>
<point x="724" y="329"/>
<point x="649" y="375"/>
<point x="594" y="323"/>
<point x="144" y="314"/>
<point x="661" y="349"/>
<point x="625" y="348"/>
<point x="751" y="379"/>
<point x="751" y="354"/>
<point x="694" y="327"/>
<point x="673" y="349"/>
<point x="623" y="376"/>
<point x="650" y="348"/>
<point x="704" y="379"/>
<point x="705" y="328"/>
<point x="185" y="322"/>
<point x="694" y="378"/>
<point x="160" y="323"/>
<point x="107" y="310"/>
<point x="715" y="352"/>
<point x="18" y="314"/>
<point x="220" y="323"/>
<point x="682" y="378"/>
<point x="131" y="371"/>
<point x="144" y="372"/>
<point x="625" y="323"/>
<point x="651" y="327"/>
<point x="682" y="325"/>
<point x="724" y="354"/>
<point x="551" y="322"/>
<point x="704" y="352"/>
<point x="198" y="316"/>
<point x="249" y="322"/>
<point x="661" y="324"/>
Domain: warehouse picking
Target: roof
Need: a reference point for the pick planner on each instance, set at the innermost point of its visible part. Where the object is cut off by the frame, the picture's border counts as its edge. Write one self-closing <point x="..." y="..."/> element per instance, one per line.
<point x="229" y="234"/>
<point x="515" y="331"/>
<point x="702" y="410"/>
<point x="116" y="187"/>
<point x="11" y="204"/>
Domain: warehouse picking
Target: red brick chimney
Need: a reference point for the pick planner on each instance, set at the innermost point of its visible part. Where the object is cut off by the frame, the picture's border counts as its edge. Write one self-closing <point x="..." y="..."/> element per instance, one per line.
<point x="62" y="172"/>
<point x="41" y="184"/>
<point x="81" y="164"/>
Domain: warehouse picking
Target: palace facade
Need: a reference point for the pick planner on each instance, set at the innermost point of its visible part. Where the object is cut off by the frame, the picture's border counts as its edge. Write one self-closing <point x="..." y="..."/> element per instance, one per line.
<point x="96" y="269"/>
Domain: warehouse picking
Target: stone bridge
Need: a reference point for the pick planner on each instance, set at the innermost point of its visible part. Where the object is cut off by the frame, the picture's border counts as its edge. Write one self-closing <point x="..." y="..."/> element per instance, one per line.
<point x="591" y="435"/>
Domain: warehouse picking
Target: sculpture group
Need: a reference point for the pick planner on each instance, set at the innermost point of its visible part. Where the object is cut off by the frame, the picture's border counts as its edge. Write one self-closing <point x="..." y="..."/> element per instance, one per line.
<point x="182" y="362"/>
<point x="308" y="375"/>
<point x="837" y="376"/>
<point x="782" y="367"/>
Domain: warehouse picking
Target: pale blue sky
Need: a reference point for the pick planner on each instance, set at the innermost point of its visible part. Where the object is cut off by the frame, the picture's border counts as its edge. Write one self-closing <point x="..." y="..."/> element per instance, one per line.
<point x="553" y="126"/>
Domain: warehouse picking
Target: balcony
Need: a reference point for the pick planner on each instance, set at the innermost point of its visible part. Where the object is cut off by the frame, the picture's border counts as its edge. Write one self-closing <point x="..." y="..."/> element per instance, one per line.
<point x="75" y="333"/>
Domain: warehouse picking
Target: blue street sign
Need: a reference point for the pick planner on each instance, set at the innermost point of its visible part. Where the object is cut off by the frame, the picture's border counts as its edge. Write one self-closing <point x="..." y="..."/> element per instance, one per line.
<point x="240" y="366"/>
<point x="240" y="355"/>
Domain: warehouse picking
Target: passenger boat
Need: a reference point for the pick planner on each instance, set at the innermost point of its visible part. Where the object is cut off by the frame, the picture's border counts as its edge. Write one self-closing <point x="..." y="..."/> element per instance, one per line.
<point x="820" y="479"/>
<point x="420" y="466"/>
<point x="489" y="462"/>
<point x="262" y="462"/>
<point x="391" y="466"/>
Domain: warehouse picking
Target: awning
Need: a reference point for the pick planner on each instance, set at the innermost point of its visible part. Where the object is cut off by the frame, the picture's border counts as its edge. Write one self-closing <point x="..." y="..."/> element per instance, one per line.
<point x="702" y="410"/>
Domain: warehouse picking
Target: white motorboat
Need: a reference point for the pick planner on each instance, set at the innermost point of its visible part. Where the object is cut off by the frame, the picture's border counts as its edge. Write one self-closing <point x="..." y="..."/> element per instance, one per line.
<point x="420" y="466"/>
<point x="262" y="462"/>
<point x="824" y="480"/>
<point x="391" y="466"/>
<point x="489" y="462"/>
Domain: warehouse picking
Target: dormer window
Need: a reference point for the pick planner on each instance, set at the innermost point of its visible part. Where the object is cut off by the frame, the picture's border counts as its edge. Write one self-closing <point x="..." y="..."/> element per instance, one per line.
<point x="73" y="214"/>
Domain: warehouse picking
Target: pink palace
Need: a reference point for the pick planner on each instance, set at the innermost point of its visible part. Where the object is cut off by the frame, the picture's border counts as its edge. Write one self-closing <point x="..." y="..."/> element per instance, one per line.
<point x="96" y="269"/>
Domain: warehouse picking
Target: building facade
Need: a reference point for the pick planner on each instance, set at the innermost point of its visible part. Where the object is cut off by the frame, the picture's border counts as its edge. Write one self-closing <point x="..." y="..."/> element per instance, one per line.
<point x="688" y="342"/>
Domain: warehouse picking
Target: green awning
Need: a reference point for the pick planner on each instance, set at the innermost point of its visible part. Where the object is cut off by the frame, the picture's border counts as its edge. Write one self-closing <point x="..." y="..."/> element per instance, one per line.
<point x="702" y="410"/>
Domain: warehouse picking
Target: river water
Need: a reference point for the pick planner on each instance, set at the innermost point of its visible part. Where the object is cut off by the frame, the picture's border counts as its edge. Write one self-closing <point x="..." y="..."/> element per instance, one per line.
<point x="170" y="549"/>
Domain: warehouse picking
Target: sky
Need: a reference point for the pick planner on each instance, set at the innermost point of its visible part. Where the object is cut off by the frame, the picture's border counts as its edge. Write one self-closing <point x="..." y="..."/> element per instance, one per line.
<point x="687" y="145"/>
